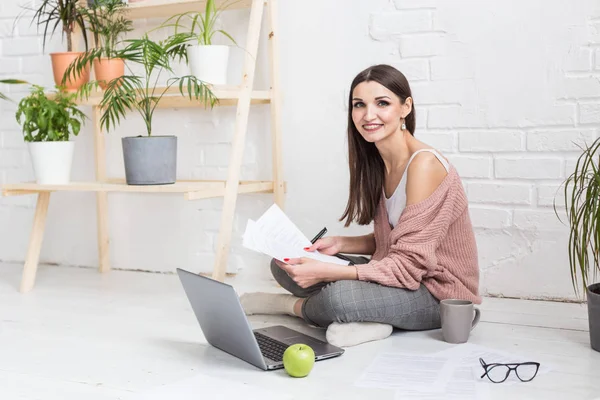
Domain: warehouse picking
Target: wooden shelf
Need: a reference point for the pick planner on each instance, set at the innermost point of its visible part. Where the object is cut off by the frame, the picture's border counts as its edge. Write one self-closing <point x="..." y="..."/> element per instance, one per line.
<point x="165" y="8"/>
<point x="227" y="95"/>
<point x="242" y="97"/>
<point x="191" y="189"/>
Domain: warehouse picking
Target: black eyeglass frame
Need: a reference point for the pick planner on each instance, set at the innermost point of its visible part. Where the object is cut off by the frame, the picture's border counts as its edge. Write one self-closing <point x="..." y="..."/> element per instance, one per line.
<point x="510" y="367"/>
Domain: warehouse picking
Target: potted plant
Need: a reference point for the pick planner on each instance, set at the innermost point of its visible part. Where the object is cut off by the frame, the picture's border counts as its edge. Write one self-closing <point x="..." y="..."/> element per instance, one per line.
<point x="48" y="123"/>
<point x="150" y="159"/>
<point x="582" y="204"/>
<point x="207" y="61"/>
<point x="107" y="23"/>
<point x="67" y="13"/>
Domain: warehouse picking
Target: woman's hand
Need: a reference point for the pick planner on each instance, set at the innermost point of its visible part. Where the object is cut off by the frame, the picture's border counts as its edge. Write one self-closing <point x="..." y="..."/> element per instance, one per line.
<point x="329" y="245"/>
<point x="307" y="272"/>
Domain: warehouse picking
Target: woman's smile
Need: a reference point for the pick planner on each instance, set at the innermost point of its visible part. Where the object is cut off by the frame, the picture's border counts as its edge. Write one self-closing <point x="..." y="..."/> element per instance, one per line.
<point x="372" y="127"/>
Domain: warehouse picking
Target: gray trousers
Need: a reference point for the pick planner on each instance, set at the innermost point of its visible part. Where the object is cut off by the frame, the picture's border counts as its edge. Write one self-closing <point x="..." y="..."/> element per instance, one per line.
<point x="359" y="301"/>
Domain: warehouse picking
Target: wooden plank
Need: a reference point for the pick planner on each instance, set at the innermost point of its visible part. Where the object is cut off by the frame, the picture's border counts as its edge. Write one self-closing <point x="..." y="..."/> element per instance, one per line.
<point x="8" y="192"/>
<point x="255" y="187"/>
<point x="237" y="151"/>
<point x="101" y="197"/>
<point x="178" y="187"/>
<point x="167" y="8"/>
<point x="103" y="232"/>
<point x="276" y="147"/>
<point x="119" y="185"/>
<point x="35" y="242"/>
<point x="262" y="187"/>
<point x="190" y="181"/>
<point x="182" y="102"/>
<point x="228" y="96"/>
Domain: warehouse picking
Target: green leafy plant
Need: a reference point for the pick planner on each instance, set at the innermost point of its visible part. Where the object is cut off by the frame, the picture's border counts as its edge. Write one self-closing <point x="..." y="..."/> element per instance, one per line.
<point x="47" y="119"/>
<point x="107" y="23"/>
<point x="140" y="92"/>
<point x="10" y="82"/>
<point x="198" y="27"/>
<point x="67" y="13"/>
<point x="582" y="205"/>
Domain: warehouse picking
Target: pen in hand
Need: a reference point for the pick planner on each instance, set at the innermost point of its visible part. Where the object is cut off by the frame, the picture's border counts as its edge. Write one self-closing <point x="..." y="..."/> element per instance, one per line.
<point x="318" y="236"/>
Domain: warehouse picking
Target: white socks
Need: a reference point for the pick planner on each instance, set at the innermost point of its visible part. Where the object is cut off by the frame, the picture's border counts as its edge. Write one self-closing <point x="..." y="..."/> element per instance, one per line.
<point x="268" y="303"/>
<point x="353" y="333"/>
<point x="338" y="334"/>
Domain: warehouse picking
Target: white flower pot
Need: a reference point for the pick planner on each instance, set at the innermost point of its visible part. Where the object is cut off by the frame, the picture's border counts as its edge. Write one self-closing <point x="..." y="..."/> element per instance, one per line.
<point x="52" y="161"/>
<point x="209" y="63"/>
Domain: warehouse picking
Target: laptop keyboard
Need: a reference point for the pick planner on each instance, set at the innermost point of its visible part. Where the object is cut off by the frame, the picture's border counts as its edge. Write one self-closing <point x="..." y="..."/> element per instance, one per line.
<point x="270" y="348"/>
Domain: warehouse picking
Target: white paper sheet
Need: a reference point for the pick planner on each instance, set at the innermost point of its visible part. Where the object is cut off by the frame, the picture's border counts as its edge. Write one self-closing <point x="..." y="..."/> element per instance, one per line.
<point x="469" y="354"/>
<point x="279" y="227"/>
<point x="408" y="373"/>
<point x="275" y="235"/>
<point x="461" y="386"/>
<point x="452" y="374"/>
<point x="206" y="387"/>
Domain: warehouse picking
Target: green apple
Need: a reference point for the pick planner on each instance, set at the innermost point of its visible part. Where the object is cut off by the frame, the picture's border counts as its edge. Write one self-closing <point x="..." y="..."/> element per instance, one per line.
<point x="298" y="360"/>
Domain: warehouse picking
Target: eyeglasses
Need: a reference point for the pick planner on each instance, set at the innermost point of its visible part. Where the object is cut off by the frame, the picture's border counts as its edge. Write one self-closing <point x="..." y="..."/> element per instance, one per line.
<point x="498" y="373"/>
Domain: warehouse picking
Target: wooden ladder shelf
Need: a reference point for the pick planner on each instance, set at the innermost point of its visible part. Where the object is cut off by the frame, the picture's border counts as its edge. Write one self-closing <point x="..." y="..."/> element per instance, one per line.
<point x="242" y="97"/>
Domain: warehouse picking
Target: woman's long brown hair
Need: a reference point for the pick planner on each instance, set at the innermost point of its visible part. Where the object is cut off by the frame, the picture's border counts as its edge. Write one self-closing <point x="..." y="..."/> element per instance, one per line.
<point x="367" y="171"/>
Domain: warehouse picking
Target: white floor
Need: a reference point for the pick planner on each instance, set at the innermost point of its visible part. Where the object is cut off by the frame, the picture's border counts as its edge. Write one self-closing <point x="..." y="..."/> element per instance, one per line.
<point x="83" y="335"/>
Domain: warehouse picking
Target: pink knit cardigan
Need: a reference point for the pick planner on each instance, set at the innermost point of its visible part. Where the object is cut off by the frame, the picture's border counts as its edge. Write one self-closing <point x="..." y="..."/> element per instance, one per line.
<point x="433" y="243"/>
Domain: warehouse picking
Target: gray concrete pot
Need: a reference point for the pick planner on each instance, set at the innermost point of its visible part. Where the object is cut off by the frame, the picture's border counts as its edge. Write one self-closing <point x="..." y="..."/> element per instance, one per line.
<point x="593" y="300"/>
<point x="150" y="160"/>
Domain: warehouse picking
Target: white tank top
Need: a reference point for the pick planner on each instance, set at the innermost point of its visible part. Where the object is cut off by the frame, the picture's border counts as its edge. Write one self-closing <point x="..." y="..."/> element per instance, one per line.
<point x="397" y="202"/>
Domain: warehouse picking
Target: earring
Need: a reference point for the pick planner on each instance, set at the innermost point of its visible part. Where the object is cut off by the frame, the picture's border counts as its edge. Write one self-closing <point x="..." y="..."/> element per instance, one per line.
<point x="403" y="124"/>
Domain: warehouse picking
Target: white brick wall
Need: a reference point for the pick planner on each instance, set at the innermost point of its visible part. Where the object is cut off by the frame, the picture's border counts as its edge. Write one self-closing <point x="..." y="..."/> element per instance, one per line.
<point x="559" y="141"/>
<point x="528" y="168"/>
<point x="21" y="46"/>
<point x="508" y="116"/>
<point x="499" y="193"/>
<point x="384" y="25"/>
<point x="589" y="113"/>
<point x="493" y="141"/>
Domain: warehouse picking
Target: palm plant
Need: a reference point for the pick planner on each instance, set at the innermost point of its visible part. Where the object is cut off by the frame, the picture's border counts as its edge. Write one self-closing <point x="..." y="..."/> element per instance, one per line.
<point x="141" y="93"/>
<point x="201" y="28"/>
<point x="107" y="24"/>
<point x="207" y="61"/>
<point x="582" y="204"/>
<point x="66" y="13"/>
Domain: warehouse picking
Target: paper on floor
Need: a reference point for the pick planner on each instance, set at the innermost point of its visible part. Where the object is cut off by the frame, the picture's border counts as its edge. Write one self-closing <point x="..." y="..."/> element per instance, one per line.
<point x="275" y="235"/>
<point x="407" y="372"/>
<point x="469" y="354"/>
<point x="460" y="386"/>
<point x="452" y="374"/>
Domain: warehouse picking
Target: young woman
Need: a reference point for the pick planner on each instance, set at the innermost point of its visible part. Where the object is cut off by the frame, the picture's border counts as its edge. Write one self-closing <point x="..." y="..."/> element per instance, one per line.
<point x="422" y="249"/>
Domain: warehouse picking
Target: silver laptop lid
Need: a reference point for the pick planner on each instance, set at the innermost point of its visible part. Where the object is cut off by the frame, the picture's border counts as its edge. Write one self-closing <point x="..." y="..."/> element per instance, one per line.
<point x="221" y="317"/>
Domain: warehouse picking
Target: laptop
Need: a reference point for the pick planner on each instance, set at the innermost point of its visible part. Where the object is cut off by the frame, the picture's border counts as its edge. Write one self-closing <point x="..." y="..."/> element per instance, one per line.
<point x="225" y="326"/>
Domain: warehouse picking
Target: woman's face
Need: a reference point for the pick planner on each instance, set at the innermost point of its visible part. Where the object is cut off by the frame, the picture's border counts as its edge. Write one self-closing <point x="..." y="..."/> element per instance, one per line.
<point x="376" y="111"/>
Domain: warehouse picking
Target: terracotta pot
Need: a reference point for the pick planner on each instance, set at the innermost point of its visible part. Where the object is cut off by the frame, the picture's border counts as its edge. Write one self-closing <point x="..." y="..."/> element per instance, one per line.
<point x="108" y="69"/>
<point x="60" y="63"/>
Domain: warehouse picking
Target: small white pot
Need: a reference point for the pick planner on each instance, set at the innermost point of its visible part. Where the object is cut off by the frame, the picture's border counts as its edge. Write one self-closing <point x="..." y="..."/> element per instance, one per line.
<point x="52" y="161"/>
<point x="209" y="63"/>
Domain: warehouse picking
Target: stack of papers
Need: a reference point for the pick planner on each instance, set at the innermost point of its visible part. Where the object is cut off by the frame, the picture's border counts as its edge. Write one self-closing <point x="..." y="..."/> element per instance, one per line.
<point x="453" y="374"/>
<point x="275" y="235"/>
